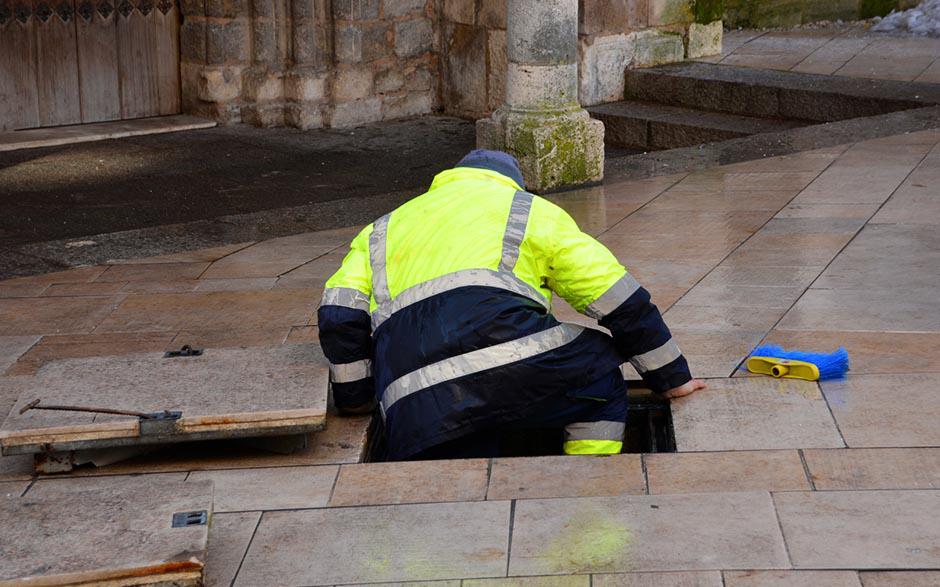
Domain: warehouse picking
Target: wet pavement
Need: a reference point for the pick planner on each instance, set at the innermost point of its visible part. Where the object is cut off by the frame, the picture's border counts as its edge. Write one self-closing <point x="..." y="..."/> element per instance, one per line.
<point x="773" y="483"/>
<point x="140" y="182"/>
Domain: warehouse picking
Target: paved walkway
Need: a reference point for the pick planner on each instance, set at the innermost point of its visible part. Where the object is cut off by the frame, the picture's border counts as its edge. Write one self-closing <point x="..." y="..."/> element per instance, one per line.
<point x="847" y="51"/>
<point x="775" y="483"/>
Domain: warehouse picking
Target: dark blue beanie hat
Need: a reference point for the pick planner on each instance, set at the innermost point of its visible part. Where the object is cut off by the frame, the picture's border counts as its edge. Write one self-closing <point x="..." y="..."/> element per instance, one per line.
<point x="502" y="163"/>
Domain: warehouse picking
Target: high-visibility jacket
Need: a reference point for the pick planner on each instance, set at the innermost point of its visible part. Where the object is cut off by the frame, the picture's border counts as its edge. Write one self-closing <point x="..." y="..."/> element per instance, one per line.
<point x="441" y="312"/>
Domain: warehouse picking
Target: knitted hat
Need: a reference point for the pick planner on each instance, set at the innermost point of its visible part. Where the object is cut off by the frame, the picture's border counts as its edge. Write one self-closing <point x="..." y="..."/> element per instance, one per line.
<point x="498" y="161"/>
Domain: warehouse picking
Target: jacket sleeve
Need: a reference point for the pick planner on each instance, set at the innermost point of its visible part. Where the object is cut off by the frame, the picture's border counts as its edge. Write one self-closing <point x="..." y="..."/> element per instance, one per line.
<point x="346" y="328"/>
<point x="589" y="277"/>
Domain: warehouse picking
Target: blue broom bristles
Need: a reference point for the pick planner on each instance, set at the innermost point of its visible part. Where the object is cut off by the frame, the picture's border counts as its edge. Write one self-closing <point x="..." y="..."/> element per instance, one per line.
<point x="831" y="366"/>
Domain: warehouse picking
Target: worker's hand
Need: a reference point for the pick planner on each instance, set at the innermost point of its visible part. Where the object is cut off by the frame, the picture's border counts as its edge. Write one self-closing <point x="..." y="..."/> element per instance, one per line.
<point x="684" y="390"/>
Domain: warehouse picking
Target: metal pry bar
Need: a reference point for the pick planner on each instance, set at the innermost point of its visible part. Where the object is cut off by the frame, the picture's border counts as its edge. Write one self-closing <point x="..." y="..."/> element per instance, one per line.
<point x="35" y="405"/>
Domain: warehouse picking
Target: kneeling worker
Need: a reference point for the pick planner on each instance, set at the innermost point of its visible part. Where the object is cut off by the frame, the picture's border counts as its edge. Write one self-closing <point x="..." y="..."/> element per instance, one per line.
<point x="441" y="313"/>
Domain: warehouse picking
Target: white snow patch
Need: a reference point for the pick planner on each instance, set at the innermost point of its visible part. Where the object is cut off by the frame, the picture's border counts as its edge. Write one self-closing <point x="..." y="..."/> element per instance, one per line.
<point x="922" y="20"/>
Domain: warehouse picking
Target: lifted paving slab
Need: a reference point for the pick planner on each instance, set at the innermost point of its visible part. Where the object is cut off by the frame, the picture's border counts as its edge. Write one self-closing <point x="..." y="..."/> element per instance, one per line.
<point x="103" y="532"/>
<point x="224" y="393"/>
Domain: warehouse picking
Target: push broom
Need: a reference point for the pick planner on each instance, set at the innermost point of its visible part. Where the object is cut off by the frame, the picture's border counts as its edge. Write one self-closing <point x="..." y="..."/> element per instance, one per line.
<point x="775" y="361"/>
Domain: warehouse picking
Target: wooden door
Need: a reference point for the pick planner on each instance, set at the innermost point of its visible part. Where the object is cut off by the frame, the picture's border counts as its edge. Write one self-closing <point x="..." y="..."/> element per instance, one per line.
<point x="73" y="61"/>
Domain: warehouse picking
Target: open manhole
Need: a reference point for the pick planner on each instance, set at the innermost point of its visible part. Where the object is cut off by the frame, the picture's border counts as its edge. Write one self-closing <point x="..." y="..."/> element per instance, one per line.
<point x="649" y="430"/>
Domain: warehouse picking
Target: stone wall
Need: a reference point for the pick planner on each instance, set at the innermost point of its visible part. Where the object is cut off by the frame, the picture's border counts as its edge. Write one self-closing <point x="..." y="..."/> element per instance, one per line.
<point x="340" y="63"/>
<point x="616" y="35"/>
<point x="788" y="13"/>
<point x="613" y="35"/>
<point x="309" y="63"/>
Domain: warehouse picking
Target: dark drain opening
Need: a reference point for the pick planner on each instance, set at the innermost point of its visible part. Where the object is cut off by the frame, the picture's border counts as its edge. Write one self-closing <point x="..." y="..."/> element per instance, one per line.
<point x="649" y="430"/>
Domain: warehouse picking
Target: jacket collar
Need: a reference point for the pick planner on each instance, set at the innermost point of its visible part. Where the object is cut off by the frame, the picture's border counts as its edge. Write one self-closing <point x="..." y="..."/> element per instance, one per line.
<point x="462" y="173"/>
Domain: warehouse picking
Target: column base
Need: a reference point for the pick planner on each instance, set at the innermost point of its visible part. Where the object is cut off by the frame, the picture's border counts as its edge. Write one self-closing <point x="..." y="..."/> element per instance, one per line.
<point x="555" y="150"/>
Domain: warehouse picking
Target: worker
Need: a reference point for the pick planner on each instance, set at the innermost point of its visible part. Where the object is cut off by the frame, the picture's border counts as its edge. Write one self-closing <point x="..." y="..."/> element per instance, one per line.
<point x="441" y="313"/>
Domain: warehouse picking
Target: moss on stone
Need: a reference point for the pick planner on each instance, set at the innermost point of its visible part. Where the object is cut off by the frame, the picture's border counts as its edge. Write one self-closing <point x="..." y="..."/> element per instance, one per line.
<point x="872" y="8"/>
<point x="708" y="11"/>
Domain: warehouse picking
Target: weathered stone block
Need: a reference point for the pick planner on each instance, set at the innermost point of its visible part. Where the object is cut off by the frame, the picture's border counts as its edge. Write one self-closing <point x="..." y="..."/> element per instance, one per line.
<point x="356" y="9"/>
<point x="227" y="8"/>
<point x="666" y="12"/>
<point x="193" y="41"/>
<point x="305" y="85"/>
<point x="418" y="79"/>
<point x="311" y="43"/>
<point x="376" y="41"/>
<point x="318" y="10"/>
<point x="413" y="37"/>
<point x="227" y="42"/>
<point x="553" y="151"/>
<point x="498" y="66"/>
<point x="389" y="80"/>
<point x="603" y="62"/>
<point x="704" y="39"/>
<point x="219" y="84"/>
<point x="265" y="42"/>
<point x="304" y="116"/>
<point x="657" y="48"/>
<point x="464" y="70"/>
<point x="399" y="8"/>
<point x="264" y="115"/>
<point x="459" y="11"/>
<point x="612" y="16"/>
<point x="348" y="43"/>
<point x="352" y="84"/>
<point x="263" y="86"/>
<point x="358" y="112"/>
<point x="492" y="14"/>
<point x="408" y="105"/>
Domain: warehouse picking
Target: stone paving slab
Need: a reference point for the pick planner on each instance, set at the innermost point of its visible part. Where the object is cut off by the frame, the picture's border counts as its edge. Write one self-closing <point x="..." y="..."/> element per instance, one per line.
<point x="343" y="441"/>
<point x="725" y="471"/>
<point x="861" y="529"/>
<point x="874" y="468"/>
<point x="646" y="533"/>
<point x="681" y="579"/>
<point x="567" y="581"/>
<point x="870" y="352"/>
<point x="74" y="346"/>
<point x="754" y="413"/>
<point x="266" y="489"/>
<point x="886" y="410"/>
<point x="791" y="579"/>
<point x="25" y="316"/>
<point x="229" y="536"/>
<point x="379" y="544"/>
<point x="12" y="347"/>
<point x="222" y="393"/>
<point x="12" y="489"/>
<point x="270" y="258"/>
<point x="210" y="311"/>
<point x="56" y="539"/>
<point x="411" y="482"/>
<point x="537" y="477"/>
<point x="900" y="578"/>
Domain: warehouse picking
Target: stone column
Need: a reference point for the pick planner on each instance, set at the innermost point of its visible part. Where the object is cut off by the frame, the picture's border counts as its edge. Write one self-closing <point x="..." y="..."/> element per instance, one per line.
<point x="558" y="145"/>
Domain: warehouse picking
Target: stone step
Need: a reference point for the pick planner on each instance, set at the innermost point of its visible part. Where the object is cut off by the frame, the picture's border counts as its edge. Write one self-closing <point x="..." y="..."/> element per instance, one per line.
<point x="654" y="127"/>
<point x="781" y="95"/>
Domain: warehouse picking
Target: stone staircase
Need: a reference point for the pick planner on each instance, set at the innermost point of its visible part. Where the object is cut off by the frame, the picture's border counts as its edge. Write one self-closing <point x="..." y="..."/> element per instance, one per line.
<point x="689" y="104"/>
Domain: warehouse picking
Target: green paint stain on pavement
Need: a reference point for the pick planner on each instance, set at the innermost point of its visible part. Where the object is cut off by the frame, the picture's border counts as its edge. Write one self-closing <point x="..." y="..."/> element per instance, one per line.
<point x="590" y="542"/>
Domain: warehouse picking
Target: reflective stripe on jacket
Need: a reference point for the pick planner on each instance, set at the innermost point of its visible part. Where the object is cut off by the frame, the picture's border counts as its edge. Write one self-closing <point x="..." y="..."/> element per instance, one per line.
<point x="441" y="311"/>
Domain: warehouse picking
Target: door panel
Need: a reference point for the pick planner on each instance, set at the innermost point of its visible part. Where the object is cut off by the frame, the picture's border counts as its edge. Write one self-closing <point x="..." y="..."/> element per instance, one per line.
<point x="166" y="22"/>
<point x="97" y="62"/>
<point x="57" y="63"/>
<point x="19" y="102"/>
<point x="137" y="59"/>
<point x="72" y="61"/>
